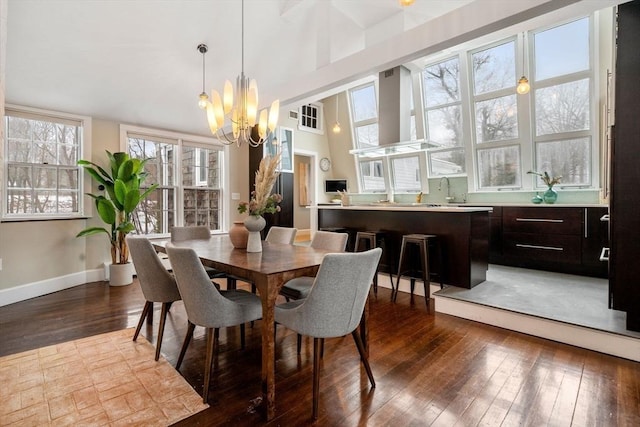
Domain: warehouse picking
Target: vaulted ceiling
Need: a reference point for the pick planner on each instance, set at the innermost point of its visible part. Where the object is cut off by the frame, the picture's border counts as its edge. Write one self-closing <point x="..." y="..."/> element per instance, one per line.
<point x="135" y="61"/>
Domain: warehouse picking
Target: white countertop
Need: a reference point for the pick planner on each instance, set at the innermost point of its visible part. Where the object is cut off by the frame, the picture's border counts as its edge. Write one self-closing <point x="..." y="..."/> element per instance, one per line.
<point x="425" y="207"/>
<point x="422" y="207"/>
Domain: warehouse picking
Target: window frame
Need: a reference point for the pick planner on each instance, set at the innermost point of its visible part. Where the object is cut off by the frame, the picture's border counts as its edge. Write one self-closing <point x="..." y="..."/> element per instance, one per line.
<point x="463" y="86"/>
<point x="594" y="124"/>
<point x="319" y="106"/>
<point x="180" y="140"/>
<point x="84" y="123"/>
<point x="422" y="172"/>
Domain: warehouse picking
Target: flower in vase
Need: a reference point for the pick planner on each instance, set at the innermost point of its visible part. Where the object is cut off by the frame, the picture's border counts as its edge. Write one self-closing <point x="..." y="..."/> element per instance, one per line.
<point x="546" y="178"/>
<point x="262" y="201"/>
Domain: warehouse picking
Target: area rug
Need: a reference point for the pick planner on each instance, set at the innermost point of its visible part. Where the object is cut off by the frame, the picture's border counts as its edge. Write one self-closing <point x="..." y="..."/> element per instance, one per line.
<point x="101" y="380"/>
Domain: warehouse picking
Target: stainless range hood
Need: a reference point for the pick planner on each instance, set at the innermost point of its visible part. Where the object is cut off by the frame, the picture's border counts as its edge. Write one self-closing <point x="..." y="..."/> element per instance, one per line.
<point x="394" y="106"/>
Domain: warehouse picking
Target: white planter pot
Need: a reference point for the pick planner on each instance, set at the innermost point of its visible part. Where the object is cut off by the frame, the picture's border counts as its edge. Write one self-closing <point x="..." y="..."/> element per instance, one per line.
<point x="120" y="274"/>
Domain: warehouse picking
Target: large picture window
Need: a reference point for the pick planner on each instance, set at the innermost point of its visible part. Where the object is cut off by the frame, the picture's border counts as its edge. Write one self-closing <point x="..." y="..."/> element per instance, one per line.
<point x="42" y="175"/>
<point x="475" y="124"/>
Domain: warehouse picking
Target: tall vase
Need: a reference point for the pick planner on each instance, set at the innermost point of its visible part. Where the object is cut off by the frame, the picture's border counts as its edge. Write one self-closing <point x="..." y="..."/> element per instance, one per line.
<point x="238" y="234"/>
<point x="550" y="196"/>
<point x="255" y="224"/>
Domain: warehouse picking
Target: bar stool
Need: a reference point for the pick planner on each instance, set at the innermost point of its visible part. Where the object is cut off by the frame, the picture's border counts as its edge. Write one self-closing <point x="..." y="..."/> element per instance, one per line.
<point x="366" y="240"/>
<point x="422" y="242"/>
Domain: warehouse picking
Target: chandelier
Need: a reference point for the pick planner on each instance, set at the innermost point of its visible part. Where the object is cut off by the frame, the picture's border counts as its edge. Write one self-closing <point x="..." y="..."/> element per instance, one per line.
<point x="246" y="125"/>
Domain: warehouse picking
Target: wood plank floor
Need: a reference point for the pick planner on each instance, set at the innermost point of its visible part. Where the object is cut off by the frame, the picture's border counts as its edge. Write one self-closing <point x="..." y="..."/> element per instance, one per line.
<point x="430" y="369"/>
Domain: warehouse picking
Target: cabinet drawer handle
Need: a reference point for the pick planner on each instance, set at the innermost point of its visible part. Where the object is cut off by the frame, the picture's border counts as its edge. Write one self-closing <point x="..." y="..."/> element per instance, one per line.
<point x="604" y="218"/>
<point x="549" y="248"/>
<point x="538" y="220"/>
<point x="604" y="255"/>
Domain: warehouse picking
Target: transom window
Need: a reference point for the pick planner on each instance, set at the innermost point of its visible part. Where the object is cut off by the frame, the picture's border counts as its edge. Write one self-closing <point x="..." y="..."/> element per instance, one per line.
<point x="42" y="175"/>
<point x="310" y="118"/>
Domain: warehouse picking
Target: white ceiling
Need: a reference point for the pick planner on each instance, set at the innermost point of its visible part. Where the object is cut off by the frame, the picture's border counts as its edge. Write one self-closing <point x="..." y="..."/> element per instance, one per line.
<point x="135" y="61"/>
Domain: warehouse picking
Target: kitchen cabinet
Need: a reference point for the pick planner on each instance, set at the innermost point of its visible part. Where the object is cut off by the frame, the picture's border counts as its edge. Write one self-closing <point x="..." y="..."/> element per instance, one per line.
<point x="562" y="239"/>
<point x="624" y="257"/>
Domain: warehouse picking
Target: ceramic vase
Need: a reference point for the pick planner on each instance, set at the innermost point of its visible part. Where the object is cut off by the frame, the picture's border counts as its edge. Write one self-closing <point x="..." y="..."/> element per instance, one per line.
<point x="120" y="274"/>
<point x="255" y="224"/>
<point x="537" y="199"/>
<point x="238" y="234"/>
<point x="550" y="196"/>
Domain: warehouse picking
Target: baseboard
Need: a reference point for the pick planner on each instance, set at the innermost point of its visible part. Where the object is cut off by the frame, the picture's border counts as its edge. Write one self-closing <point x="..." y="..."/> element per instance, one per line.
<point x="44" y="287"/>
<point x="579" y="336"/>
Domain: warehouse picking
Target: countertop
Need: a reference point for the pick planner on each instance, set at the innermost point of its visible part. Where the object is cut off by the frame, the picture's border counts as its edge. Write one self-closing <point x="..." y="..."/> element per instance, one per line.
<point x="422" y="207"/>
<point x="469" y="207"/>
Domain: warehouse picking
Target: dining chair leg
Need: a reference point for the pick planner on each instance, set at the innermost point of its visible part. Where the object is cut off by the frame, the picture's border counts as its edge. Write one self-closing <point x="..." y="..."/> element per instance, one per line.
<point x="211" y="343"/>
<point x="321" y="348"/>
<point x="316" y="376"/>
<point x="363" y="357"/>
<point x="299" y="344"/>
<point x="145" y="311"/>
<point x="242" y="336"/>
<point x="163" y="320"/>
<point x="185" y="344"/>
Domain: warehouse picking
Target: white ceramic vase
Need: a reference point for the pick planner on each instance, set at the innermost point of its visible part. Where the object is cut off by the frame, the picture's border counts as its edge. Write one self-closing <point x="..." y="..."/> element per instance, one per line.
<point x="255" y="224"/>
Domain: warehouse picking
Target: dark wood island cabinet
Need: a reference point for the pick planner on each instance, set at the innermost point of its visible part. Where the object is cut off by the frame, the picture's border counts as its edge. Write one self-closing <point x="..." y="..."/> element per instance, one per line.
<point x="463" y="233"/>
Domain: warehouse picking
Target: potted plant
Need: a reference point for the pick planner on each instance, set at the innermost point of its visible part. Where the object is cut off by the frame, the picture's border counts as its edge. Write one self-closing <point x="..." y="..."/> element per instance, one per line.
<point x="122" y="194"/>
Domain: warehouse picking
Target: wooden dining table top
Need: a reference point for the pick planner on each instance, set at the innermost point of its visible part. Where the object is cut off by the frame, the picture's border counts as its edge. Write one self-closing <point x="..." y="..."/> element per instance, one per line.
<point x="275" y="258"/>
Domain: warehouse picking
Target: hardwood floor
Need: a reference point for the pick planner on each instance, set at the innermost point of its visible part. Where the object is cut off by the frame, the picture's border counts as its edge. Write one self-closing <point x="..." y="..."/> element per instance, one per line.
<point x="430" y="369"/>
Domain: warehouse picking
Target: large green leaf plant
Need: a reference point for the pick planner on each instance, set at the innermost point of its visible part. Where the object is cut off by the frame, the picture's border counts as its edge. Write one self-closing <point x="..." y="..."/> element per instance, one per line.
<point x="122" y="196"/>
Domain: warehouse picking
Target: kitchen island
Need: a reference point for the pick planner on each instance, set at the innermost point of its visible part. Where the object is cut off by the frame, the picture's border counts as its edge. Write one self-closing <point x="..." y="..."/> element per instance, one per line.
<point x="463" y="233"/>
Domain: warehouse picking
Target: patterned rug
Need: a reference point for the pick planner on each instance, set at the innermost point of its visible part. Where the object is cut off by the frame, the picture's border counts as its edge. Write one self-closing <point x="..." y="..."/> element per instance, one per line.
<point x="101" y="380"/>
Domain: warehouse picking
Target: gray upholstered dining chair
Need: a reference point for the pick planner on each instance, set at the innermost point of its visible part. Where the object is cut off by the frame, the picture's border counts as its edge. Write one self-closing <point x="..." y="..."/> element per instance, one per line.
<point x="299" y="287"/>
<point x="284" y="235"/>
<point x="158" y="285"/>
<point x="207" y="306"/>
<point x="197" y="232"/>
<point x="334" y="306"/>
<point x="328" y="240"/>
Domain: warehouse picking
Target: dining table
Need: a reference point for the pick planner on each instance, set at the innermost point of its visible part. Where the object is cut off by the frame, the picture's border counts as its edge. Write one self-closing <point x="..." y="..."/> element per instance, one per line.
<point x="268" y="271"/>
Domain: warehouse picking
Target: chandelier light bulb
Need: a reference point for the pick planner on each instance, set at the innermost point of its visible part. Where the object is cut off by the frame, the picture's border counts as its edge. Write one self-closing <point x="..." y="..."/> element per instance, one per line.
<point x="336" y="128"/>
<point x="406" y="2"/>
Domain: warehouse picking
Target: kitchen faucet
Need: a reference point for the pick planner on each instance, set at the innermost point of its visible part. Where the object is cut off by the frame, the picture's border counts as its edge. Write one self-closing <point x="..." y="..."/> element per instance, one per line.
<point x="449" y="199"/>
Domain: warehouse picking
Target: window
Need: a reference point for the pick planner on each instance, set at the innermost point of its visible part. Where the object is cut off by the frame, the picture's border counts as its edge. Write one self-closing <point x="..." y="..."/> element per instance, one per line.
<point x="495" y="109"/>
<point x="372" y="176"/>
<point x="188" y="173"/>
<point x="310" y="118"/>
<point x="563" y="136"/>
<point x="364" y="115"/>
<point x="406" y="174"/>
<point x="443" y="118"/>
<point x="42" y="175"/>
<point x="474" y="123"/>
